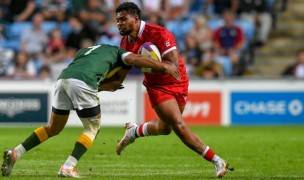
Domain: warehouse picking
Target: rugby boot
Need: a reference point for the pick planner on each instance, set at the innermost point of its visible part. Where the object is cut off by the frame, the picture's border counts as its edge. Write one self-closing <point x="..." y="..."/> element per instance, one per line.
<point x="9" y="160"/>
<point x="221" y="168"/>
<point x="128" y="138"/>
<point x="72" y="173"/>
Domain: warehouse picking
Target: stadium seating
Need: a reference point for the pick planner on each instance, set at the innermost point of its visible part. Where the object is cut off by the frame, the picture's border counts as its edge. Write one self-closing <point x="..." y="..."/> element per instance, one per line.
<point x="15" y="30"/>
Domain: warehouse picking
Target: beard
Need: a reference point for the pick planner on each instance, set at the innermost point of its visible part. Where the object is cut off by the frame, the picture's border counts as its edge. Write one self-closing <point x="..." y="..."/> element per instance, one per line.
<point x="125" y="32"/>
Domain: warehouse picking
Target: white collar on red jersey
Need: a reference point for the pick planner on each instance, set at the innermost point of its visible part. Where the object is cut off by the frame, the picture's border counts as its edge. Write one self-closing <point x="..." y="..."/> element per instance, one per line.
<point x="141" y="29"/>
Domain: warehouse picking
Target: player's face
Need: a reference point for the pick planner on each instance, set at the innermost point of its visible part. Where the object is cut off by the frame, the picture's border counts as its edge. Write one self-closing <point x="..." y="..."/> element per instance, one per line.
<point x="125" y="23"/>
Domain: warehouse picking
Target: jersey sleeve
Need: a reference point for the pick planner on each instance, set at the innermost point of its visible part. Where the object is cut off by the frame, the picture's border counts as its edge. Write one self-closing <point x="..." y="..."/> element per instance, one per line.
<point x="165" y="42"/>
<point x="122" y="54"/>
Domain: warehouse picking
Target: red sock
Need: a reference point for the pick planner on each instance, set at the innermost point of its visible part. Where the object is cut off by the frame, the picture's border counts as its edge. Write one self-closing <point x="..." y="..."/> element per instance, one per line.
<point x="208" y="154"/>
<point x="142" y="130"/>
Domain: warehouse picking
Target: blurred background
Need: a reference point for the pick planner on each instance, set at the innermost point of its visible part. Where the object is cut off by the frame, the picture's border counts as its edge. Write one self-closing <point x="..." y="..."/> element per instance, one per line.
<point x="245" y="58"/>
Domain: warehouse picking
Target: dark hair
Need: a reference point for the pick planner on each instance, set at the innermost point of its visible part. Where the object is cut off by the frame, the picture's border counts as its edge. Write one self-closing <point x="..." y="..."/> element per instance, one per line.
<point x="130" y="8"/>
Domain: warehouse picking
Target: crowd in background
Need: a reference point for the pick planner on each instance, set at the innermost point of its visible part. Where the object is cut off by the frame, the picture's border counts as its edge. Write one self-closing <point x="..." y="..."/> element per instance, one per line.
<point x="216" y="38"/>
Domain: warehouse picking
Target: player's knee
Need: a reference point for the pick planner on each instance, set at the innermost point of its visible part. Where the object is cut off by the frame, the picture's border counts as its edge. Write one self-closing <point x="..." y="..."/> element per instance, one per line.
<point x="180" y="128"/>
<point x="91" y="126"/>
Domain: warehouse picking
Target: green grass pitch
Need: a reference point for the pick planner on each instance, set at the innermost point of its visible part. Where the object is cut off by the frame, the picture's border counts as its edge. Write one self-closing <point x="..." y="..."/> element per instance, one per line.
<point x="259" y="152"/>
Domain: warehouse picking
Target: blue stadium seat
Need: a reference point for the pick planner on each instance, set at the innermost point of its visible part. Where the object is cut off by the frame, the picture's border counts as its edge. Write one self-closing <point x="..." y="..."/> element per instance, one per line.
<point x="215" y="23"/>
<point x="15" y="30"/>
<point x="196" y="6"/>
<point x="179" y="28"/>
<point x="10" y="44"/>
<point x="247" y="27"/>
<point x="271" y="2"/>
<point x="65" y="28"/>
<point x="48" y="26"/>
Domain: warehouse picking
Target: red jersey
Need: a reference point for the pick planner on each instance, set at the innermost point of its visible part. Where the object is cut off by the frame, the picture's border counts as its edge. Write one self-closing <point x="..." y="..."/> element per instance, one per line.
<point x="165" y="42"/>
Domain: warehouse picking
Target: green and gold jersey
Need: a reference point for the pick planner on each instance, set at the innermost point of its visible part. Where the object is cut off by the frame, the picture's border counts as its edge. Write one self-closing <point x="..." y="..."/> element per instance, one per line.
<point x="96" y="63"/>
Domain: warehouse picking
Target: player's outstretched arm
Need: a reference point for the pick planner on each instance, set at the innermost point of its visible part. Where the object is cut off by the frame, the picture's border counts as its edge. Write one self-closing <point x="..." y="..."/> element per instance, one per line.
<point x="145" y="61"/>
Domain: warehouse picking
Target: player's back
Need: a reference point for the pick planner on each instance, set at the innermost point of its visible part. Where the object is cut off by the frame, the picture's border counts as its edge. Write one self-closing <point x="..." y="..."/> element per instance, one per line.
<point x="93" y="63"/>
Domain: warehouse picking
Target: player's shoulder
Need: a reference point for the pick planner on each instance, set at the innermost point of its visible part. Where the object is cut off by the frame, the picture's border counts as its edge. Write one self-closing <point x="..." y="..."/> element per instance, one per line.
<point x="157" y="33"/>
<point x="154" y="28"/>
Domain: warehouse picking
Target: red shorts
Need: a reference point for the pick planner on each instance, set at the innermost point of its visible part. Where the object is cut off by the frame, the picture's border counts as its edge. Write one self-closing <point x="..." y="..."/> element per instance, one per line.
<point x="159" y="94"/>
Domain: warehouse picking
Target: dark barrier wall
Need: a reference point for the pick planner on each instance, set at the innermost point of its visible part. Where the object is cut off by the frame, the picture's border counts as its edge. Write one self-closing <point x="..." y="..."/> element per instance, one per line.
<point x="23" y="107"/>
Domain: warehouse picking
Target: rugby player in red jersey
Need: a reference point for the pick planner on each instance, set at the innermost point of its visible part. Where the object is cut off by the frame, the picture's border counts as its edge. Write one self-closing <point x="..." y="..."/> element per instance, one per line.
<point x="167" y="95"/>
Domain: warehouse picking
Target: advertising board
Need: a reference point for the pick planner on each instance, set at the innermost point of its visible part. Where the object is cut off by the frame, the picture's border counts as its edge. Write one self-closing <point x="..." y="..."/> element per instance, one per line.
<point x="23" y="107"/>
<point x="203" y="108"/>
<point x="267" y="107"/>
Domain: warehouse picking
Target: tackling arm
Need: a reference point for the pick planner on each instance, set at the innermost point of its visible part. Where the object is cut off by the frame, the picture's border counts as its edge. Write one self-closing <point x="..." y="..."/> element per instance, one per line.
<point x="115" y="82"/>
<point x="145" y="61"/>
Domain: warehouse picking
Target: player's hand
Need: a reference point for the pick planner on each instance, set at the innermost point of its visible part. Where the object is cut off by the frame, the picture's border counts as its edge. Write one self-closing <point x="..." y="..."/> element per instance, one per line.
<point x="110" y="86"/>
<point x="172" y="69"/>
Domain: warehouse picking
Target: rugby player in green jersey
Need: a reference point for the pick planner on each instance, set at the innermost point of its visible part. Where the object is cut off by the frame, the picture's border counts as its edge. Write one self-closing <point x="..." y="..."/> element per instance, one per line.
<point x="96" y="68"/>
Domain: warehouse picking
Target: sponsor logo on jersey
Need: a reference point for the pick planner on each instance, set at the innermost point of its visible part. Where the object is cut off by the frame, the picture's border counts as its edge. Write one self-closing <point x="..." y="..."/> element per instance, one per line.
<point x="167" y="43"/>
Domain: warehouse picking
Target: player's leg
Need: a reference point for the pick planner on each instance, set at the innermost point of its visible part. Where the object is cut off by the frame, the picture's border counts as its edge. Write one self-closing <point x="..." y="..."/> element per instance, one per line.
<point x="151" y="128"/>
<point x="59" y="117"/>
<point x="90" y="119"/>
<point x="133" y="131"/>
<point x="154" y="127"/>
<point x="170" y="112"/>
<point x="86" y="103"/>
<point x="41" y="134"/>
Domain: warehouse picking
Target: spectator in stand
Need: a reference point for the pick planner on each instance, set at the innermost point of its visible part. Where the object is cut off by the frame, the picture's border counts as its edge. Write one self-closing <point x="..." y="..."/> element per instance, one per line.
<point x="152" y="7"/>
<point x="111" y="34"/>
<point x="44" y="73"/>
<point x="209" y="71"/>
<point x="95" y="15"/>
<point x="297" y="69"/>
<point x="86" y="43"/>
<point x="156" y="18"/>
<point x="73" y="43"/>
<point x="176" y="9"/>
<point x="2" y="25"/>
<point x="34" y="40"/>
<point x="192" y="54"/>
<point x="79" y="32"/>
<point x="22" y="67"/>
<point x="56" y="43"/>
<point x="214" y="9"/>
<point x="21" y="10"/>
<point x="177" y="19"/>
<point x="228" y="43"/>
<point x="137" y="2"/>
<point x="76" y="6"/>
<point x="202" y="33"/>
<point x="54" y="10"/>
<point x="257" y="12"/>
<point x="6" y="56"/>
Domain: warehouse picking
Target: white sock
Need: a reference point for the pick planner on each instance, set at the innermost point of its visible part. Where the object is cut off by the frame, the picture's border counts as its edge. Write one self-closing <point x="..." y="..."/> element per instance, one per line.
<point x="216" y="158"/>
<point x="20" y="150"/>
<point x="70" y="163"/>
<point x="205" y="151"/>
<point x="145" y="129"/>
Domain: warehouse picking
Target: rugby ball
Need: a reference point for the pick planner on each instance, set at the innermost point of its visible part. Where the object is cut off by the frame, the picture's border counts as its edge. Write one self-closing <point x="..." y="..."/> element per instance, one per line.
<point x="150" y="50"/>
